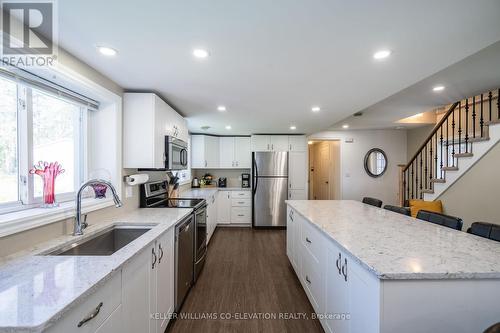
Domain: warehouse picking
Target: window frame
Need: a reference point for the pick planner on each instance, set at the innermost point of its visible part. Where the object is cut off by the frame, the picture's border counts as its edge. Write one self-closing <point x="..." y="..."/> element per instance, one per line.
<point x="26" y="195"/>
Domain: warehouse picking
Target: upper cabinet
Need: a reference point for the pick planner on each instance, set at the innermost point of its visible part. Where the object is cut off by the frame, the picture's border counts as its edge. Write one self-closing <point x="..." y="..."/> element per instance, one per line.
<point x="279" y="143"/>
<point x="147" y="119"/>
<point x="225" y="152"/>
<point x="204" y="152"/>
<point x="235" y="153"/>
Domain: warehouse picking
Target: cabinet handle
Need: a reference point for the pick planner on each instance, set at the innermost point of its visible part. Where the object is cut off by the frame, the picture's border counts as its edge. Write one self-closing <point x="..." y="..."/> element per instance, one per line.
<point x="91" y="315"/>
<point x="344" y="269"/>
<point x="241" y="215"/>
<point x="307" y="279"/>
<point x="339" y="259"/>
<point x="272" y="146"/>
<point x="241" y="202"/>
<point x="153" y="253"/>
<point x="268" y="146"/>
<point x="205" y="164"/>
<point x="290" y="147"/>
<point x="308" y="240"/>
<point x="161" y="253"/>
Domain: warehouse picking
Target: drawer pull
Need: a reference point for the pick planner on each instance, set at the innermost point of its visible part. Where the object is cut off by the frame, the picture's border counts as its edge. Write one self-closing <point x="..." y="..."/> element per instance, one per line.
<point x="339" y="259"/>
<point x="154" y="258"/>
<point x="241" y="202"/>
<point x="161" y="253"/>
<point x="344" y="270"/>
<point x="241" y="215"/>
<point x="307" y="279"/>
<point x="91" y="315"/>
<point x="308" y="240"/>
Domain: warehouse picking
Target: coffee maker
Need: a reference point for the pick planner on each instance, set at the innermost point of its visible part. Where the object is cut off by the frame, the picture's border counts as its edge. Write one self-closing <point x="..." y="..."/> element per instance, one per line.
<point x="245" y="180"/>
<point x="222" y="182"/>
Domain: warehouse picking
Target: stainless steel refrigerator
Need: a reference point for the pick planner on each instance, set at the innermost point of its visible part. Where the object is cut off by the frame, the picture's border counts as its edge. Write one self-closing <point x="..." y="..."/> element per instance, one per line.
<point x="270" y="188"/>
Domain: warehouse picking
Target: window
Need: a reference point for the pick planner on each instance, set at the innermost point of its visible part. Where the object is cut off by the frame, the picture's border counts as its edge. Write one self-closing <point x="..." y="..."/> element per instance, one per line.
<point x="37" y="125"/>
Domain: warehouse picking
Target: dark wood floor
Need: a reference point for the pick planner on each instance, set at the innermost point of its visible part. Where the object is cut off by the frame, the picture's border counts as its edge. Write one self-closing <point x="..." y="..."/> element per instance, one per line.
<point x="247" y="272"/>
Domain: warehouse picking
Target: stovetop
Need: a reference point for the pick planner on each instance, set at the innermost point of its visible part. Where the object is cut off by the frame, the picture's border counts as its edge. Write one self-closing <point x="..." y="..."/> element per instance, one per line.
<point x="178" y="203"/>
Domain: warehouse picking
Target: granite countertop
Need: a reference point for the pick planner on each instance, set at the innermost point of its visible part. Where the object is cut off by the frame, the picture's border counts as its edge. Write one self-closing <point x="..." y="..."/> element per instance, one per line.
<point x="394" y="246"/>
<point x="37" y="290"/>
<point x="207" y="191"/>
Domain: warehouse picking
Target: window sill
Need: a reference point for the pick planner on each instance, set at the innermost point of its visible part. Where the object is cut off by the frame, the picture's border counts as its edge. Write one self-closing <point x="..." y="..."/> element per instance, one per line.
<point x="15" y="222"/>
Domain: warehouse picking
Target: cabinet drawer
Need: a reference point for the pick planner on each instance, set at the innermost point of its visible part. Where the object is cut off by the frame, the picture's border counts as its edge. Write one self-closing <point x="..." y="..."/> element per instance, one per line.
<point x="312" y="240"/>
<point x="312" y="280"/>
<point x="241" y="215"/>
<point x="241" y="202"/>
<point x="109" y="295"/>
<point x="240" y="194"/>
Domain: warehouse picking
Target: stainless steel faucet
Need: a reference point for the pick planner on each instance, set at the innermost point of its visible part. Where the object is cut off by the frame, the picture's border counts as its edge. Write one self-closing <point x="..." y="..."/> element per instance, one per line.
<point x="79" y="226"/>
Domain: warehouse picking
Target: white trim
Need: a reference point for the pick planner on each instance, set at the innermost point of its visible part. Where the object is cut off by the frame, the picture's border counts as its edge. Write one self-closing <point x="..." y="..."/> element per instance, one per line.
<point x="18" y="221"/>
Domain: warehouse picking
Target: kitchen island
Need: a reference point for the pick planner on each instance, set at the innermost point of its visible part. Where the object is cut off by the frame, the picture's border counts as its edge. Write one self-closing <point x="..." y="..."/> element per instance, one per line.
<point x="366" y="269"/>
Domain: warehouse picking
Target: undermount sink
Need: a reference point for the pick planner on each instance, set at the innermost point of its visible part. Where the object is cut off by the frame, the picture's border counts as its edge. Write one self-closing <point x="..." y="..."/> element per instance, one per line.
<point x="104" y="243"/>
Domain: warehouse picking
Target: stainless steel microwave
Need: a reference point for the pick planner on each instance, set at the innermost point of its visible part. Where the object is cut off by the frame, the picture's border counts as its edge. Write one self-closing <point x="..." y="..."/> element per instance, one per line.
<point x="176" y="154"/>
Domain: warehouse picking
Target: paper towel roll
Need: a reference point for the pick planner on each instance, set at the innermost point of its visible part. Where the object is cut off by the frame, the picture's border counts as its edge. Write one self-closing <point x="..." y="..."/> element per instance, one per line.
<point x="137" y="179"/>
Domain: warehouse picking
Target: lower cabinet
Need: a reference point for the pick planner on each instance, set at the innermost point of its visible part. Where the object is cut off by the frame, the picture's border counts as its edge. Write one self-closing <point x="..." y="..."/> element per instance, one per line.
<point x="345" y="296"/>
<point x="112" y="324"/>
<point x="211" y="215"/>
<point x="234" y="207"/>
<point x="148" y="287"/>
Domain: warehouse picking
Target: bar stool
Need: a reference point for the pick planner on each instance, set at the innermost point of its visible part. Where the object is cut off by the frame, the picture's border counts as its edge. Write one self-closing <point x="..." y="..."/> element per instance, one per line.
<point x="372" y="201"/>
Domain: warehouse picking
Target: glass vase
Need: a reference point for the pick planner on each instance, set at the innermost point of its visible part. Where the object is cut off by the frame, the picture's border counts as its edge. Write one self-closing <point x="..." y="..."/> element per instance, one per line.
<point x="48" y="172"/>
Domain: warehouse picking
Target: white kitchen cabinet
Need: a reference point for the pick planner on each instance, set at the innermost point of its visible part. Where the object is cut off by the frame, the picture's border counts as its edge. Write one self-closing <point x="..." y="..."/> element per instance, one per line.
<point x="242" y="152"/>
<point x="102" y="303"/>
<point x="297" y="195"/>
<point x="136" y="292"/>
<point x="279" y="142"/>
<point x="164" y="280"/>
<point x="224" y="207"/>
<point x="147" y="119"/>
<point x="297" y="170"/>
<point x="234" y="153"/>
<point x="211" y="215"/>
<point x="204" y="152"/>
<point x="112" y="324"/>
<point x="297" y="143"/>
<point x="226" y="155"/>
<point x="261" y="142"/>
<point x="147" y="286"/>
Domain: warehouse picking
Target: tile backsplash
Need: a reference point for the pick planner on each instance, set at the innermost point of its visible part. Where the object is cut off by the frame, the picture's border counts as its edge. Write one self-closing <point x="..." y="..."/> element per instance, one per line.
<point x="233" y="176"/>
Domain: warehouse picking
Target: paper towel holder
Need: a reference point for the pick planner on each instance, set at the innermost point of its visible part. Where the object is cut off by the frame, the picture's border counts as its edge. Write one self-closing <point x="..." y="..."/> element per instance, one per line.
<point x="136" y="179"/>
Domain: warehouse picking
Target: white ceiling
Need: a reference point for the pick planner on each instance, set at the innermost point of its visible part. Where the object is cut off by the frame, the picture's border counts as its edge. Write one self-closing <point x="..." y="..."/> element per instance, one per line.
<point x="272" y="60"/>
<point x="469" y="77"/>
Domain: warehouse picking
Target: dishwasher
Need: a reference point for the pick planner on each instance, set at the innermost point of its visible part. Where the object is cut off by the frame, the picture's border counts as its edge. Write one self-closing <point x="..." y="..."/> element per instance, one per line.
<point x="184" y="259"/>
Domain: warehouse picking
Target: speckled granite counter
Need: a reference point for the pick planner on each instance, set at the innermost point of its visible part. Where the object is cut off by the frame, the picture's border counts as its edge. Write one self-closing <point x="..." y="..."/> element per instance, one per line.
<point x="394" y="246"/>
<point x="207" y="191"/>
<point x="36" y="290"/>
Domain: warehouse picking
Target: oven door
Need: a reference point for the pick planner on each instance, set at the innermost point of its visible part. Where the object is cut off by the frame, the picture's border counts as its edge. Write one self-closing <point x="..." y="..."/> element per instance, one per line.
<point x="176" y="154"/>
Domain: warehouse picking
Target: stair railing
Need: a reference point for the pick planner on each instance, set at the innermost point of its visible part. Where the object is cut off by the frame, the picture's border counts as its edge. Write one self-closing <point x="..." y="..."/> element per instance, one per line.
<point x="465" y="122"/>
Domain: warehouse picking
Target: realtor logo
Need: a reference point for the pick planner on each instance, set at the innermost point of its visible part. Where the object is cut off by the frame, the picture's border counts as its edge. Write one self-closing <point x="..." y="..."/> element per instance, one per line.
<point x="28" y="33"/>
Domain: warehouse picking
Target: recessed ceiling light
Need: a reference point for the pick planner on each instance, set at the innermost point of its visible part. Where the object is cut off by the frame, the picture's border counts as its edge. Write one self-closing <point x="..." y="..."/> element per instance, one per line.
<point x="293" y="127"/>
<point x="382" y="54"/>
<point x="107" y="51"/>
<point x="221" y="108"/>
<point x="315" y="109"/>
<point x="345" y="126"/>
<point x="200" y="53"/>
<point x="228" y="127"/>
<point x="438" y="88"/>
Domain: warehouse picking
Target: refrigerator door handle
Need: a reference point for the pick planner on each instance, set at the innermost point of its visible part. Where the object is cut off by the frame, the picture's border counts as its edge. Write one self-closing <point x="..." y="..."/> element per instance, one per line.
<point x="255" y="177"/>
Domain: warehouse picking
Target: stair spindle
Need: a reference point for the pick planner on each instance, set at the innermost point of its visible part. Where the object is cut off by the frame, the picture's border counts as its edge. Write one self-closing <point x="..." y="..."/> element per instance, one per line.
<point x="447" y="142"/>
<point x="431" y="159"/>
<point x="425" y="169"/>
<point x="436" y="155"/>
<point x="453" y="138"/>
<point x="412" y="183"/>
<point x="460" y="127"/>
<point x="490" y="96"/>
<point x="467" y="125"/>
<point x="481" y="119"/>
<point x="441" y="162"/>
<point x="498" y="103"/>
<point x="421" y="176"/>
<point x="474" y="116"/>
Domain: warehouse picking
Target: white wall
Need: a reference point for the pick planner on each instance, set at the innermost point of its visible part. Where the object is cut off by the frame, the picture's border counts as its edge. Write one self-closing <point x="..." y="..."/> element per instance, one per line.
<point x="355" y="182"/>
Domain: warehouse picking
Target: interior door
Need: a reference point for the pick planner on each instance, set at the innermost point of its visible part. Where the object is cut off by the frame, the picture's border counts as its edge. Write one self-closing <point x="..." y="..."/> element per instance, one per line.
<point x="322" y="173"/>
<point x="269" y="202"/>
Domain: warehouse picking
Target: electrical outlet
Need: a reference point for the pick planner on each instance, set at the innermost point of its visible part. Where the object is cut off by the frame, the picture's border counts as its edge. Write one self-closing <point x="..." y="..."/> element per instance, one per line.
<point x="129" y="191"/>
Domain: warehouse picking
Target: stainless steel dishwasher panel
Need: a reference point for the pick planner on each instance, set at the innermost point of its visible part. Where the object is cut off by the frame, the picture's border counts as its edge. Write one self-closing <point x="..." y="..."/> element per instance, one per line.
<point x="184" y="259"/>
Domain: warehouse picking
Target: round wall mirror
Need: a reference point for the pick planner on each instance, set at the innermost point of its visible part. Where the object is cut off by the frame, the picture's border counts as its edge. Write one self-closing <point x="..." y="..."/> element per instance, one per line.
<point x="375" y="162"/>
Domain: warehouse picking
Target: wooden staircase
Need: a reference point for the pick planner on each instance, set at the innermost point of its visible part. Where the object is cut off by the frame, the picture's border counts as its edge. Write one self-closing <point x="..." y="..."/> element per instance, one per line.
<point x="460" y="138"/>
